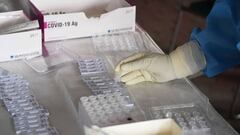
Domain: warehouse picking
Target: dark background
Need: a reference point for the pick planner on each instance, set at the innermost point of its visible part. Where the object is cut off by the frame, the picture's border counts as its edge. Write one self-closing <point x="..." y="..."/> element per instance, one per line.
<point x="169" y="23"/>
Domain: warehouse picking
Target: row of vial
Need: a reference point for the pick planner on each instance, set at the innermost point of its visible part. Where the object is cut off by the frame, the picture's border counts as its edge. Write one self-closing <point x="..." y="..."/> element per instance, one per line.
<point x="102" y="84"/>
<point x="110" y="104"/>
<point x="108" y="109"/>
<point x="29" y="118"/>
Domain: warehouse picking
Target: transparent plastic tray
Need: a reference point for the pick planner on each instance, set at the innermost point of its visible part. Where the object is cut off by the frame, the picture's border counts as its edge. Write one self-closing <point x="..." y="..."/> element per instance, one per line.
<point x="110" y="103"/>
<point x="109" y="109"/>
<point x="60" y="92"/>
<point x="29" y="117"/>
<point x="130" y="41"/>
<point x="116" y="47"/>
<point x="96" y="74"/>
<point x="190" y="117"/>
<point x="56" y="57"/>
<point x="58" y="53"/>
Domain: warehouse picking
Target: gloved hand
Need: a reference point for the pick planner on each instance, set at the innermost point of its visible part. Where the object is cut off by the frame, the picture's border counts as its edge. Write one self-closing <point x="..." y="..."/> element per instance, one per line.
<point x="184" y="61"/>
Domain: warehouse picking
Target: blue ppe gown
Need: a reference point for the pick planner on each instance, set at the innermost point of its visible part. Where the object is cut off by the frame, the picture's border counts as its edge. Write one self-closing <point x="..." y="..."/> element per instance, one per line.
<point x="220" y="40"/>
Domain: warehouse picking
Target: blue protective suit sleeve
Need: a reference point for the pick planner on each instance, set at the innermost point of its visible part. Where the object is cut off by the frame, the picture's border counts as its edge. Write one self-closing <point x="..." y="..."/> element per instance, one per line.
<point x="220" y="40"/>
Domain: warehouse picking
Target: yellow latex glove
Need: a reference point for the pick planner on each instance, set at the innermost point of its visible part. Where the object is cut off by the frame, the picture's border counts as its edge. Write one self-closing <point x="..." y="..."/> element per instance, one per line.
<point x="154" y="67"/>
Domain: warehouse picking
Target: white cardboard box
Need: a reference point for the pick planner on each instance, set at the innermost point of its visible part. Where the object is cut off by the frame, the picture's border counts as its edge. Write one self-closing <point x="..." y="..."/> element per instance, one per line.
<point x="67" y="19"/>
<point x="68" y="6"/>
<point x="21" y="45"/>
<point x="153" y="127"/>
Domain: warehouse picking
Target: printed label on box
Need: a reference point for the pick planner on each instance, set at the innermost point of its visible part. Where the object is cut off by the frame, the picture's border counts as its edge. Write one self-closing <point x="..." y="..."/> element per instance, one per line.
<point x="24" y="45"/>
<point x="75" y="25"/>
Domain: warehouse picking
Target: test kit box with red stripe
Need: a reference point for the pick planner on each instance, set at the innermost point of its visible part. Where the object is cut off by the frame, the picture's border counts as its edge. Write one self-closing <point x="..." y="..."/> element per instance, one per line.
<point x="20" y="38"/>
<point x="66" y="19"/>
